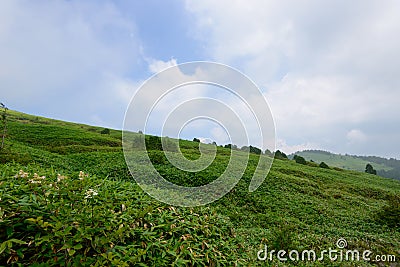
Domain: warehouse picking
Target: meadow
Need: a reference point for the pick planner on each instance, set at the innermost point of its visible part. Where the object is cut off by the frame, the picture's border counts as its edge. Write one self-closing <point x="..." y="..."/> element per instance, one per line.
<point x="67" y="199"/>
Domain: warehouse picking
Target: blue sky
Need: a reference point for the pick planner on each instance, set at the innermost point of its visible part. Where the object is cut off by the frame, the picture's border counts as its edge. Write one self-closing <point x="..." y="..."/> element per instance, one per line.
<point x="329" y="69"/>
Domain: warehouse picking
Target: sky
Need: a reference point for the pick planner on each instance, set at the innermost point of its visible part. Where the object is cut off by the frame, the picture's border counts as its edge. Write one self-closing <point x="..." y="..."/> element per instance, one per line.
<point x="328" y="69"/>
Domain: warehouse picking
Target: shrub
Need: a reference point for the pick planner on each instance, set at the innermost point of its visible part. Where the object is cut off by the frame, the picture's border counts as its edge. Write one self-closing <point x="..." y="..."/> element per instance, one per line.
<point x="105" y="131"/>
<point x="323" y="165"/>
<point x="55" y="220"/>
<point x="280" y="155"/>
<point x="300" y="160"/>
<point x="370" y="169"/>
<point x="255" y="150"/>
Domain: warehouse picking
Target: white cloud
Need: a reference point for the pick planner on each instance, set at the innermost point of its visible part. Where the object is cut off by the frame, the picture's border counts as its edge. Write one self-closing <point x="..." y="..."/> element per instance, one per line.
<point x="219" y="135"/>
<point x="325" y="67"/>
<point x="66" y="59"/>
<point x="156" y="66"/>
<point x="289" y="149"/>
<point x="356" y="136"/>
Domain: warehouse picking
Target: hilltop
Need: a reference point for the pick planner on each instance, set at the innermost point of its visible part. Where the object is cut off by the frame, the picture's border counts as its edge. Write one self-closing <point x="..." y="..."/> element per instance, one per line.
<point x="67" y="198"/>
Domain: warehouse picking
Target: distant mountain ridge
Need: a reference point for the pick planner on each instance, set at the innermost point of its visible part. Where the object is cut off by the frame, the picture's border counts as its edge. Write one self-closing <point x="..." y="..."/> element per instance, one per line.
<point x="389" y="168"/>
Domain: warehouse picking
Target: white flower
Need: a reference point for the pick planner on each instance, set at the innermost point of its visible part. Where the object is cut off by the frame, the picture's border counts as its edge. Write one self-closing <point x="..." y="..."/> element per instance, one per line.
<point x="82" y="175"/>
<point x="90" y="193"/>
<point x="36" y="179"/>
<point x="60" y="177"/>
<point x="21" y="174"/>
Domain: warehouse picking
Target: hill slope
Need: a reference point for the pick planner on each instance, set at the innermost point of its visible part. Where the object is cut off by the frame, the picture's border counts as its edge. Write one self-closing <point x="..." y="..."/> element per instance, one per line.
<point x="389" y="168"/>
<point x="89" y="210"/>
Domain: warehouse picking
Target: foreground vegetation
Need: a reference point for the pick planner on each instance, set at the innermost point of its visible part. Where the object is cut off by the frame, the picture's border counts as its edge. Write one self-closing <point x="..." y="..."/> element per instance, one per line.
<point x="67" y="199"/>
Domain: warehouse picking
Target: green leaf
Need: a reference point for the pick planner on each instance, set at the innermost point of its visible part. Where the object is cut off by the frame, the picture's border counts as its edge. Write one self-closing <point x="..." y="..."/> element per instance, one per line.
<point x="78" y="246"/>
<point x="71" y="252"/>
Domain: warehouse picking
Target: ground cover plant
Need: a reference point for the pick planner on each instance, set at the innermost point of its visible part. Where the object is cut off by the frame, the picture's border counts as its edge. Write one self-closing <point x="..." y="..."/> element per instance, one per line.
<point x="67" y="199"/>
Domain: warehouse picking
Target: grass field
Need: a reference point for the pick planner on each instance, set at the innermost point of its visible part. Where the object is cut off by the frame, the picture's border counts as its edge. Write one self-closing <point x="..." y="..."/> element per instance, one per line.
<point x="67" y="199"/>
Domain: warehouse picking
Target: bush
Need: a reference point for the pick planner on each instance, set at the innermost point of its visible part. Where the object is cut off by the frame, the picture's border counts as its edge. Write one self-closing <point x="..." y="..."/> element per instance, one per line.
<point x="323" y="165"/>
<point x="300" y="160"/>
<point x="55" y="220"/>
<point x="280" y="155"/>
<point x="105" y="131"/>
<point x="370" y="169"/>
<point x="255" y="150"/>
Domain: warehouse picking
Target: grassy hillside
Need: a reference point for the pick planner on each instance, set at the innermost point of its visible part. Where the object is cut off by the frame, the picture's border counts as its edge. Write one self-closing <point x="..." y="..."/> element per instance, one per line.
<point x="67" y="199"/>
<point x="389" y="168"/>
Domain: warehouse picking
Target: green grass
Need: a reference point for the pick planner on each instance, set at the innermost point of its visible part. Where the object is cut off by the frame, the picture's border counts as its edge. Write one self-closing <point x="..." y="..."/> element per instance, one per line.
<point x="52" y="223"/>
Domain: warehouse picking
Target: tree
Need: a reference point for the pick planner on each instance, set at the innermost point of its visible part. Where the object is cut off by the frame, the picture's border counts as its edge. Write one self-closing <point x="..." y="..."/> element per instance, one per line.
<point x="370" y="169"/>
<point x="196" y="140"/>
<point x="280" y="155"/>
<point x="255" y="150"/>
<point x="323" y="165"/>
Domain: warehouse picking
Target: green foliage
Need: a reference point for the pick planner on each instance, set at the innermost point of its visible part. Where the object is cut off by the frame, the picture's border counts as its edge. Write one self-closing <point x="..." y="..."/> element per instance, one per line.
<point x="369" y="169"/>
<point x="323" y="165"/>
<point x="153" y="143"/>
<point x="105" y="131"/>
<point x="80" y="219"/>
<point x="157" y="157"/>
<point x="106" y="219"/>
<point x="255" y="150"/>
<point x="299" y="159"/>
<point x="280" y="155"/>
<point x="196" y="140"/>
<point x="283" y="238"/>
<point x="390" y="213"/>
<point x="230" y="146"/>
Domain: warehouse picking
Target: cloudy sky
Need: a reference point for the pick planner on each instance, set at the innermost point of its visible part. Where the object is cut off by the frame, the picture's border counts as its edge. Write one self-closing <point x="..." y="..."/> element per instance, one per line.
<point x="328" y="69"/>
